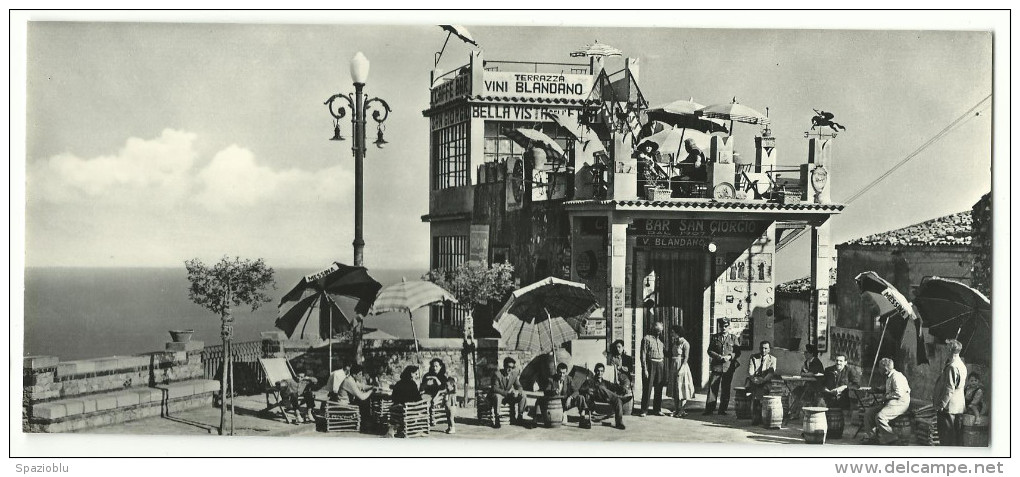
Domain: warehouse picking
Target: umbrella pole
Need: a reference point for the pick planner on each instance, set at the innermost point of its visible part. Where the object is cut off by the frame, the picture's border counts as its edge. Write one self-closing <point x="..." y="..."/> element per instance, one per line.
<point x="879" y="350"/>
<point x="440" y="55"/>
<point x="329" y="342"/>
<point x="548" y="320"/>
<point x="414" y="334"/>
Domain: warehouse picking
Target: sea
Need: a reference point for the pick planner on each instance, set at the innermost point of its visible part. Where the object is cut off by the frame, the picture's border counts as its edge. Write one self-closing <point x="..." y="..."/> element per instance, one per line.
<point x="82" y="313"/>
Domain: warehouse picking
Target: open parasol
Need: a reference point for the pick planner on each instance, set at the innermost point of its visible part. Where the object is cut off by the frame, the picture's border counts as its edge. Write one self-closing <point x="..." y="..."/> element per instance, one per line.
<point x="316" y="299"/>
<point x="733" y="112"/>
<point x="953" y="310"/>
<point x="596" y="49"/>
<point x="684" y="114"/>
<point x="544" y="315"/>
<point x="461" y="33"/>
<point x="590" y="141"/>
<point x="896" y="313"/>
<point x="409" y="296"/>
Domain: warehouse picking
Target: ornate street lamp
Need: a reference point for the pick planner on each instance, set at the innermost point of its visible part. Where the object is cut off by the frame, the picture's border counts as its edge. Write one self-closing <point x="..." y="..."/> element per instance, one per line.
<point x="358" y="105"/>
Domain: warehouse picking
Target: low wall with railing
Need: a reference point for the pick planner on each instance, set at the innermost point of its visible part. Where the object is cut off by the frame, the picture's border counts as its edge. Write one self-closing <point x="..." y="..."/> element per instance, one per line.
<point x="69" y="395"/>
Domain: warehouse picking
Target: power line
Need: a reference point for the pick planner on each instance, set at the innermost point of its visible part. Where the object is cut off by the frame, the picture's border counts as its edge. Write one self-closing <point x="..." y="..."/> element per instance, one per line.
<point x="933" y="140"/>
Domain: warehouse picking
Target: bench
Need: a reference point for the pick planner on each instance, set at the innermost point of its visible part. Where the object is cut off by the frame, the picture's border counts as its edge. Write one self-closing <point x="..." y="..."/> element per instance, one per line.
<point x="113" y="407"/>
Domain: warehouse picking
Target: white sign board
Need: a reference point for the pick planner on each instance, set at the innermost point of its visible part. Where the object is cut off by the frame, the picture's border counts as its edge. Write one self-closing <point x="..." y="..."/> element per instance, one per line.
<point x="536" y="85"/>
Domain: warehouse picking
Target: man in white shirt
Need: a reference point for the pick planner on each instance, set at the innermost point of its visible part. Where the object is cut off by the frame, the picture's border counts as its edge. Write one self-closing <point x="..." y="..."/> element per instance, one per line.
<point x="336" y="378"/>
<point x="895" y="402"/>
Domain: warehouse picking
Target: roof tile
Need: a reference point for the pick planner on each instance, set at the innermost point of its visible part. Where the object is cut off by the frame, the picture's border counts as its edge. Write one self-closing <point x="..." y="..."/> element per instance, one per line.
<point x="949" y="230"/>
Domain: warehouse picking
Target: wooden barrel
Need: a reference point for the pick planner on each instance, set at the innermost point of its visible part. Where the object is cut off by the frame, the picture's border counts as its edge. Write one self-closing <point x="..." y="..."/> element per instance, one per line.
<point x="815" y="424"/>
<point x="553" y="412"/>
<point x="772" y="412"/>
<point x="742" y="401"/>
<point x="975" y="431"/>
<point x="835" y="420"/>
<point x="903" y="429"/>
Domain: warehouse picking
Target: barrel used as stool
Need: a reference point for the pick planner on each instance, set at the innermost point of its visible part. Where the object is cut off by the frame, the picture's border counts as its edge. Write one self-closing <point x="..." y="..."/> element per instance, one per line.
<point x="553" y="412"/>
<point x="835" y="420"/>
<point x="742" y="401"/>
<point x="772" y="412"/>
<point x="975" y="431"/>
<point x="903" y="429"/>
<point x="815" y="424"/>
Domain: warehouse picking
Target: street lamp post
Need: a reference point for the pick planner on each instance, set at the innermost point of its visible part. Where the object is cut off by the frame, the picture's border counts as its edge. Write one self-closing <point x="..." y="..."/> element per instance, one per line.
<point x="358" y="105"/>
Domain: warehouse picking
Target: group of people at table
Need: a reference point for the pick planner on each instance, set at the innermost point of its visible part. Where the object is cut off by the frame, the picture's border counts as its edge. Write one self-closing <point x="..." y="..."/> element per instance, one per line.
<point x="668" y="367"/>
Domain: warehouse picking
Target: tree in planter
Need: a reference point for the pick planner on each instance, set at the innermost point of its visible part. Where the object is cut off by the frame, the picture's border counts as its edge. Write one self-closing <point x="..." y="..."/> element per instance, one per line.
<point x="226" y="284"/>
<point x="474" y="285"/>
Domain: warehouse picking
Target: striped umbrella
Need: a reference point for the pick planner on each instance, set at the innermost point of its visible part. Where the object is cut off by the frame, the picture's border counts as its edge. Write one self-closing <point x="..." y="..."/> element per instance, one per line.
<point x="545" y="314"/>
<point x="409" y="296"/>
<point x="733" y="112"/>
<point x="528" y="137"/>
<point x="596" y="49"/>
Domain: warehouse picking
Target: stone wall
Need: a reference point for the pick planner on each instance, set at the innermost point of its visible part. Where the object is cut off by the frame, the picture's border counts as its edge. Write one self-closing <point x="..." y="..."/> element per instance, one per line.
<point x="981" y="242"/>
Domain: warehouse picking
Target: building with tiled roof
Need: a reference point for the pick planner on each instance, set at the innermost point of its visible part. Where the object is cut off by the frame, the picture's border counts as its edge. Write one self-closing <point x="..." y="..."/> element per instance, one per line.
<point x="953" y="229"/>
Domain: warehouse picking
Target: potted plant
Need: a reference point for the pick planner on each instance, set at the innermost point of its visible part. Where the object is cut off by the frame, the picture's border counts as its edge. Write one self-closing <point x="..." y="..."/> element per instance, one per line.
<point x="181" y="336"/>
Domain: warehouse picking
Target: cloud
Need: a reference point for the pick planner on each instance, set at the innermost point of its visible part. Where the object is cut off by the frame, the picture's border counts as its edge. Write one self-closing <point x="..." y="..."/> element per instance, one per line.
<point x="163" y="172"/>
<point x="159" y="164"/>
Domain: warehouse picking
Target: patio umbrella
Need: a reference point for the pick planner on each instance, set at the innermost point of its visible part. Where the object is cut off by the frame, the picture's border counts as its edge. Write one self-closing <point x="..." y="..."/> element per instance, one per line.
<point x="733" y="112"/>
<point x="590" y="141"/>
<point x="409" y="296"/>
<point x="896" y="313"/>
<point x="316" y="297"/>
<point x="953" y="310"/>
<point x="461" y="33"/>
<point x="596" y="49"/>
<point x="683" y="114"/>
<point x="528" y="137"/>
<point x="545" y="314"/>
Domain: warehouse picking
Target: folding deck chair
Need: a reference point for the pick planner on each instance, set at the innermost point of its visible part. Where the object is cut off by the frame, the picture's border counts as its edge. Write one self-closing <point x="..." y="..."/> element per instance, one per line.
<point x="277" y="369"/>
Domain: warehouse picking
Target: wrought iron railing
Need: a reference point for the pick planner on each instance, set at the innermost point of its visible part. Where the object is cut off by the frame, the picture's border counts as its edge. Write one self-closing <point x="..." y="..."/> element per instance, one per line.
<point x="249" y="378"/>
<point x="537" y="67"/>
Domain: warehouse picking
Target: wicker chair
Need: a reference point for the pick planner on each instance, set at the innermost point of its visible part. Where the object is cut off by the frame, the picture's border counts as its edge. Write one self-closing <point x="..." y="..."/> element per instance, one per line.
<point x="484" y="408"/>
<point x="410" y="419"/>
<point x="342" y="417"/>
<point x="438" y="409"/>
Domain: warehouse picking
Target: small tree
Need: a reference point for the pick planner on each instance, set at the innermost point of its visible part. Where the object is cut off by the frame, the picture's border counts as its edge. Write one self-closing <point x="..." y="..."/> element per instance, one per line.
<point x="228" y="283"/>
<point x="474" y="284"/>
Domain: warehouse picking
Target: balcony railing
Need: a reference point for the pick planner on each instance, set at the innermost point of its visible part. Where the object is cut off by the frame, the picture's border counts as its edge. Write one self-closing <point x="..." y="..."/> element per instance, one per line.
<point x="537" y="67"/>
<point x="249" y="378"/>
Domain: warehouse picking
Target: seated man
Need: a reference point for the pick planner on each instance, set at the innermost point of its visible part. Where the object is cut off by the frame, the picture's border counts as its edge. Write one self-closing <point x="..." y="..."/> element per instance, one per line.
<point x="809" y="393"/>
<point x="600" y="389"/>
<point x="839" y="380"/>
<point x="560" y="386"/>
<point x="296" y="393"/>
<point x="336" y="378"/>
<point x="877" y="419"/>
<point x="506" y="388"/>
<point x="358" y="393"/>
<point x="760" y="370"/>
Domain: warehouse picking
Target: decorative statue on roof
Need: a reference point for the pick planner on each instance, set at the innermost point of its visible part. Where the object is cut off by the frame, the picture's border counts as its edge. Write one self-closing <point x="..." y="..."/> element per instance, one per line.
<point x="824" y="118"/>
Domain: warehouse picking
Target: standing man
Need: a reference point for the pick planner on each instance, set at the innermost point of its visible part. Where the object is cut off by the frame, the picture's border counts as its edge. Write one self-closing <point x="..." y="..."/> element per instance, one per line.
<point x="653" y="369"/>
<point x="506" y="388"/>
<point x="760" y="370"/>
<point x="949" y="399"/>
<point x="878" y="418"/>
<point x="722" y="363"/>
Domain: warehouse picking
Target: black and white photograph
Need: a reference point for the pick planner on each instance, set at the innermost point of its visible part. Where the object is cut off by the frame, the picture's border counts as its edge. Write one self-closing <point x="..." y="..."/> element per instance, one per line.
<point x="331" y="229"/>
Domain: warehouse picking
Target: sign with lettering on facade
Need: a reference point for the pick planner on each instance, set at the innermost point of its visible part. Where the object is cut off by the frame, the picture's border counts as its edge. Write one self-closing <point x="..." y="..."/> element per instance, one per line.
<point x="449" y="118"/>
<point x="616" y="304"/>
<point x="820" y="313"/>
<point x="519" y="112"/>
<point x="536" y="85"/>
<point x="594" y="328"/>
<point x="692" y="233"/>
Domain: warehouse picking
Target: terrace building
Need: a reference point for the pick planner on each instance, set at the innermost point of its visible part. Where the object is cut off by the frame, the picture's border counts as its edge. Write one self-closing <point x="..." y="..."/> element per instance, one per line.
<point x="682" y="251"/>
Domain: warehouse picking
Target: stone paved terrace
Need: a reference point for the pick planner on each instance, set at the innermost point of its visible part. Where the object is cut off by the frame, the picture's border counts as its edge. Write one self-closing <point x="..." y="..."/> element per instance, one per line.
<point x="694" y="428"/>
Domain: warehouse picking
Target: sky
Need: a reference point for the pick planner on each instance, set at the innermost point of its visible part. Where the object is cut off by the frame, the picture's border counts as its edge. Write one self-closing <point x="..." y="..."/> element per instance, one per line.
<point x="148" y="144"/>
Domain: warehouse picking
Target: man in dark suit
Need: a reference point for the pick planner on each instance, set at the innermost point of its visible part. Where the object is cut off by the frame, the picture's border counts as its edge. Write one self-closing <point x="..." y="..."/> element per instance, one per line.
<point x="722" y="353"/>
<point x="562" y="387"/>
<point x="602" y="390"/>
<point x="506" y="388"/>
<point x="839" y="380"/>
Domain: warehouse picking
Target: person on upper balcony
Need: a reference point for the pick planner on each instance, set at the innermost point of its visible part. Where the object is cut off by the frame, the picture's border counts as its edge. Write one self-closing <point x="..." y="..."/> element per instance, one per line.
<point x="694" y="167"/>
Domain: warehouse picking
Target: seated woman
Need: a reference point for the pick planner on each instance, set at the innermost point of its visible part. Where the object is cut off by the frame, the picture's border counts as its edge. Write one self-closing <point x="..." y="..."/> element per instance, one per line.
<point x="436" y="381"/>
<point x="406" y="389"/>
<point x="693" y="167"/>
<point x="974" y="396"/>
